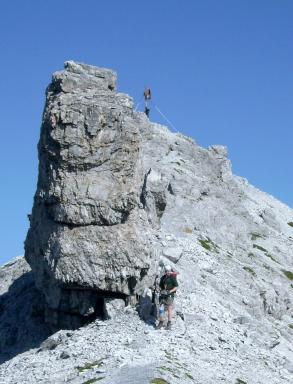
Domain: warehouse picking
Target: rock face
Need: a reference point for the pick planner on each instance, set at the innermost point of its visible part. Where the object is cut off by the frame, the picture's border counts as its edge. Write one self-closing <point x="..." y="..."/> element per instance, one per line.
<point x="90" y="236"/>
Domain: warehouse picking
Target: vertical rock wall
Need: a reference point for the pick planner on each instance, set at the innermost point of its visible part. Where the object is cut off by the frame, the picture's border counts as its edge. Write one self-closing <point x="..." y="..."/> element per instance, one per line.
<point x="89" y="235"/>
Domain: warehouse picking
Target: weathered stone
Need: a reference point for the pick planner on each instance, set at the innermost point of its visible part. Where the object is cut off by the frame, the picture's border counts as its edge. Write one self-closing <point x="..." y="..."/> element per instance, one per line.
<point x="88" y="232"/>
<point x="173" y="253"/>
<point x="113" y="307"/>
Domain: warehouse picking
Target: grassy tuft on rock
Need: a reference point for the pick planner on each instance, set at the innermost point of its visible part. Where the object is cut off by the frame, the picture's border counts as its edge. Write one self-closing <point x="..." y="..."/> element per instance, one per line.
<point x="90" y="381"/>
<point x="158" y="380"/>
<point x="189" y="376"/>
<point x="288" y="274"/>
<point x="259" y="248"/>
<point x="265" y="252"/>
<point x="187" y="230"/>
<point x="95" y="364"/>
<point x="208" y="245"/>
<point x="255" y="236"/>
<point x="250" y="270"/>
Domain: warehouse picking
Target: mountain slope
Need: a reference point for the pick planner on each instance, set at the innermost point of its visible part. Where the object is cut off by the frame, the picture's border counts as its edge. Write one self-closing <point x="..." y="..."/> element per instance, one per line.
<point x="163" y="200"/>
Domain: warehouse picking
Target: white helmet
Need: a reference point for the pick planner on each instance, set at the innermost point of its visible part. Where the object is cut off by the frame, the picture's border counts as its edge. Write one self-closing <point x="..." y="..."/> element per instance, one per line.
<point x="168" y="268"/>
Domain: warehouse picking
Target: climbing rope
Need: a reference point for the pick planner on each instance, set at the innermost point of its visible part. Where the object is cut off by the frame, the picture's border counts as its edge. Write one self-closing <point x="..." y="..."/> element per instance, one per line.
<point x="138" y="104"/>
<point x="166" y="118"/>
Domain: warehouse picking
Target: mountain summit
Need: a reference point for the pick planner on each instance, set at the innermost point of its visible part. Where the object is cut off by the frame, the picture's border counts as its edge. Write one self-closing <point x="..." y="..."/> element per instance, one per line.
<point x="117" y="197"/>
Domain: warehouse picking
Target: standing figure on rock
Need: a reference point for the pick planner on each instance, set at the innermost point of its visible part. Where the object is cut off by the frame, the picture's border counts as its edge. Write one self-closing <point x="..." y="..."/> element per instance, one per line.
<point x="168" y="287"/>
<point x="147" y="96"/>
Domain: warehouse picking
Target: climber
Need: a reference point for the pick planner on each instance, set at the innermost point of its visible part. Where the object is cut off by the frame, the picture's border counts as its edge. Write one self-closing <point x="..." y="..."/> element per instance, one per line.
<point x="147" y="94"/>
<point x="168" y="287"/>
<point x="147" y="111"/>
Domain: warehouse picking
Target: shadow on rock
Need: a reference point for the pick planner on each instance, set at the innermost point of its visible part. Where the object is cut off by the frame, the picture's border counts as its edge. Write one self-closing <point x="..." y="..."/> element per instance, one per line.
<point x="148" y="307"/>
<point x="22" y="324"/>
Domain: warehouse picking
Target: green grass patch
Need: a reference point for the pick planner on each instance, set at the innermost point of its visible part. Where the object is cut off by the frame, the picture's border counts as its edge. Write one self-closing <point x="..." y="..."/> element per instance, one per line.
<point x="239" y="381"/>
<point x="250" y="270"/>
<point x="90" y="381"/>
<point x="167" y="369"/>
<point x="260" y="248"/>
<point x="87" y="366"/>
<point x="264" y="251"/>
<point x="288" y="274"/>
<point x="205" y="244"/>
<point x="189" y="376"/>
<point x="290" y="223"/>
<point x="208" y="245"/>
<point x="255" y="236"/>
<point x="168" y="355"/>
<point x="158" y="380"/>
<point x="187" y="230"/>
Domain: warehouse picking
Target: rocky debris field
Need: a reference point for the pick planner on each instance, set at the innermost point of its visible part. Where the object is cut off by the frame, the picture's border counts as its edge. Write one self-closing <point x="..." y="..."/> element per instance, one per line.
<point x="220" y="332"/>
<point x="203" y="348"/>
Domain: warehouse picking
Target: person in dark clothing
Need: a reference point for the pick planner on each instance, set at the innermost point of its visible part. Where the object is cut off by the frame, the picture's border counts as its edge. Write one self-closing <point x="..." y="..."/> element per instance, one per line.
<point x="168" y="287"/>
<point x="147" y="94"/>
<point x="147" y="111"/>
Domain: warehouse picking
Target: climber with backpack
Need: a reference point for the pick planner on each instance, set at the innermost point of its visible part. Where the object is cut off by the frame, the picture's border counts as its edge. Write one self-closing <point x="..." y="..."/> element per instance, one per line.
<point x="168" y="286"/>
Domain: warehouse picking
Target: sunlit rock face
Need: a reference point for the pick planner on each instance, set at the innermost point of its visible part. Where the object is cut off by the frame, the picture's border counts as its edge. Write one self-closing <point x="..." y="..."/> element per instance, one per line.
<point x="90" y="234"/>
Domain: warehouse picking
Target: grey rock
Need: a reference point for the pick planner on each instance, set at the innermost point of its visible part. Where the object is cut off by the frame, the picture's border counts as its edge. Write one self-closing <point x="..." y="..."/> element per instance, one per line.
<point x="173" y="254"/>
<point x="289" y="366"/>
<point x="113" y="307"/>
<point x="242" y="320"/>
<point x="88" y="233"/>
<point x="64" y="355"/>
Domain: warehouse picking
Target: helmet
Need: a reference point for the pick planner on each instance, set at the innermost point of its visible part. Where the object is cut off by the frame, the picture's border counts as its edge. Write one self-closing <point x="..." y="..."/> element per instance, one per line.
<point x="168" y="268"/>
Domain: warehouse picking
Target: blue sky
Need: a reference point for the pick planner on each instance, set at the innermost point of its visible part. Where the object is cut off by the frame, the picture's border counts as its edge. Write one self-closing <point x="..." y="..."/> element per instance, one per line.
<point x="221" y="71"/>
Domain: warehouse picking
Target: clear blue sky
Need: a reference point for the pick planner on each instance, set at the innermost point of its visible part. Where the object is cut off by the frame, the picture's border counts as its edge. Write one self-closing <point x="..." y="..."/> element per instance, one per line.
<point x="221" y="70"/>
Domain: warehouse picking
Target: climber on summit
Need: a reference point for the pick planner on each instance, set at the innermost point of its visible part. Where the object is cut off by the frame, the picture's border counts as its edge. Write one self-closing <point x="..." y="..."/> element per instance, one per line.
<point x="168" y="287"/>
<point x="147" y="96"/>
<point x="147" y="111"/>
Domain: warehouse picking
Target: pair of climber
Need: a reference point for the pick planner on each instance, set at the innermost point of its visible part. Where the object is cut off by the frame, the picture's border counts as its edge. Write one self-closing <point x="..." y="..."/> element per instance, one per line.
<point x="167" y="288"/>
